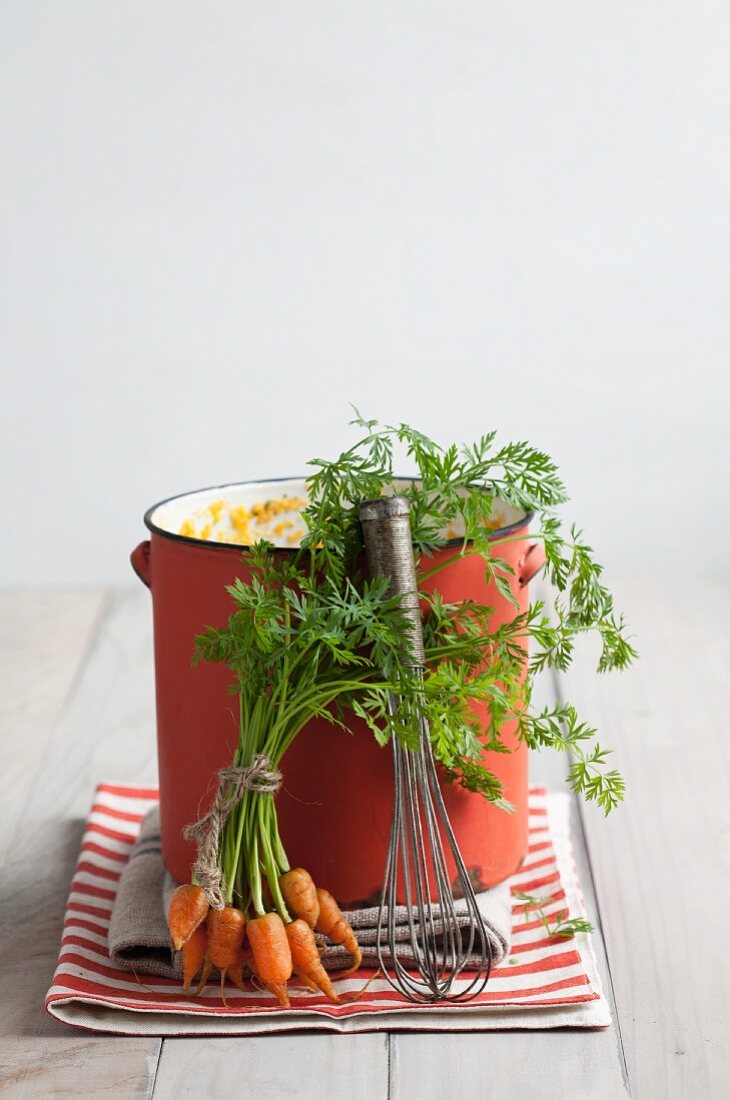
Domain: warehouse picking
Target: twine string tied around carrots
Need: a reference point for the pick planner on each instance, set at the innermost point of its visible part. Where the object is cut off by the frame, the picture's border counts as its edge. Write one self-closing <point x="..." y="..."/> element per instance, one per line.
<point x="258" y="776"/>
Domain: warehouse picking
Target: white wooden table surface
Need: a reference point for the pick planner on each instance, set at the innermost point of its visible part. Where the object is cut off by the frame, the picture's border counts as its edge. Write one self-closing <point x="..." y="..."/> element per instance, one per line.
<point x="77" y="706"/>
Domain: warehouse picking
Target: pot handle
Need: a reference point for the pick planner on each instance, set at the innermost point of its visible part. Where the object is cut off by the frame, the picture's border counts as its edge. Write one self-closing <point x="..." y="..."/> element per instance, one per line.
<point x="530" y="563"/>
<point x="140" y="559"/>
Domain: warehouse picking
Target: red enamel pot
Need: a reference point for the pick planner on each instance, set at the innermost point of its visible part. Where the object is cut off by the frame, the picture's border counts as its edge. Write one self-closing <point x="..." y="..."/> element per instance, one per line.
<point x="336" y="799"/>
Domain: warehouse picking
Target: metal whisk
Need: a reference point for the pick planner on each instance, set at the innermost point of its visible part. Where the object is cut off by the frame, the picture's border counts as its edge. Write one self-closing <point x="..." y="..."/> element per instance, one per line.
<point x="441" y="939"/>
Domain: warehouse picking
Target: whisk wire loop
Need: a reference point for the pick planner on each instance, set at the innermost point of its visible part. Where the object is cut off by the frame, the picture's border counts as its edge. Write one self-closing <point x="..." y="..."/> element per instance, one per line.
<point x="444" y="941"/>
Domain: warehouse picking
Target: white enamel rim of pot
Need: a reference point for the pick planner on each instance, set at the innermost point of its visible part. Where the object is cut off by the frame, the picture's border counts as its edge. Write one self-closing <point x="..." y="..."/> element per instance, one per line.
<point x="167" y="516"/>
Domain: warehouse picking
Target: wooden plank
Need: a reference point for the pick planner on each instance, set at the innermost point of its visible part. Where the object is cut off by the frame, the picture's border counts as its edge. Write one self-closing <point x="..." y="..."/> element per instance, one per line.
<point x="554" y="1065"/>
<point x="275" y="1067"/>
<point x="660" y="862"/>
<point x="106" y="729"/>
<point x="44" y="636"/>
<point x="72" y="1064"/>
<point x="514" y="1064"/>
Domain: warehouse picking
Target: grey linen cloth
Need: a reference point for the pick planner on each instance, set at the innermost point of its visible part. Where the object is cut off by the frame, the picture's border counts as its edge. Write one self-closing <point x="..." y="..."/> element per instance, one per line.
<point x="139" y="940"/>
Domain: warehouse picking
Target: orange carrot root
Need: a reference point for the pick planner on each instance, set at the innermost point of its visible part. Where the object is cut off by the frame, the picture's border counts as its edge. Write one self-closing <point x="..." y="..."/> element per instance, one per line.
<point x="193" y="954"/>
<point x="226" y="929"/>
<point x="207" y="967"/>
<point x="140" y="982"/>
<point x="300" y="895"/>
<point x="188" y="909"/>
<point x="333" y="923"/>
<point x="279" y="991"/>
<point x="350" y="998"/>
<point x="223" y="988"/>
<point x="306" y="982"/>
<point x="235" y="973"/>
<point x="305" y="958"/>
<point x="272" y="961"/>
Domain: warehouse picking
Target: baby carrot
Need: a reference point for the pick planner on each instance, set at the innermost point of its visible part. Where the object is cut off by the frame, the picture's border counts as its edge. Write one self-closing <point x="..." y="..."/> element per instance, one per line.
<point x="332" y="923"/>
<point x="226" y="929"/>
<point x="193" y="953"/>
<point x="300" y="894"/>
<point x="188" y="909"/>
<point x="305" y="957"/>
<point x="271" y="954"/>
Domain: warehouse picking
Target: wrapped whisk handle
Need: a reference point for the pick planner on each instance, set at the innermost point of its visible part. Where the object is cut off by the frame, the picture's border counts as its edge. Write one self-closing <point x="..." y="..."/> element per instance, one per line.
<point x="386" y="527"/>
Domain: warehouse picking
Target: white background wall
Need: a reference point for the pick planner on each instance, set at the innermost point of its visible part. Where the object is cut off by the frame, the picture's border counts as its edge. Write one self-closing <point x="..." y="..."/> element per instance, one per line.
<point x="220" y="222"/>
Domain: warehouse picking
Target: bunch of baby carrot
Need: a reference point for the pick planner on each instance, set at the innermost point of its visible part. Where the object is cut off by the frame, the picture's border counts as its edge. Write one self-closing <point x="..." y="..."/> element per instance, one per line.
<point x="299" y="642"/>
<point x="265" y="946"/>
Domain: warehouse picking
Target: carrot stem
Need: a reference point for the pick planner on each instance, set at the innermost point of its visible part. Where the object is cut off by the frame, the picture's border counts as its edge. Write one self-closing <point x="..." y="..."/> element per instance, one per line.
<point x="237" y="830"/>
<point x="266" y="811"/>
<point x="281" y="856"/>
<point x="254" y="875"/>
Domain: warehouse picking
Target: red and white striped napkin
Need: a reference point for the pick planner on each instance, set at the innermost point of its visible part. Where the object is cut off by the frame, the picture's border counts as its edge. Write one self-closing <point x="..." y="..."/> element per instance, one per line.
<point x="547" y="981"/>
